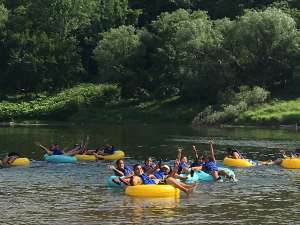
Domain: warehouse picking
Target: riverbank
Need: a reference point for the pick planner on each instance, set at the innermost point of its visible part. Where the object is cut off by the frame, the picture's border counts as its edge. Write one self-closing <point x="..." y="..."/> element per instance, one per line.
<point x="90" y="103"/>
<point x="169" y="110"/>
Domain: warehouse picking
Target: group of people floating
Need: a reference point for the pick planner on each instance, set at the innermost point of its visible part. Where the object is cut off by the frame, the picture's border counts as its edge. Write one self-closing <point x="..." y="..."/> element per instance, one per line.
<point x="54" y="149"/>
<point x="152" y="173"/>
<point x="156" y="173"/>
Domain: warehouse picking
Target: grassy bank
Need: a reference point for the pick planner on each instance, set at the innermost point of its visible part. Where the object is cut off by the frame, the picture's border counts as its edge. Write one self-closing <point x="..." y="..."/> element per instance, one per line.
<point x="60" y="105"/>
<point x="90" y="103"/>
<point x="169" y="110"/>
<point x="278" y="112"/>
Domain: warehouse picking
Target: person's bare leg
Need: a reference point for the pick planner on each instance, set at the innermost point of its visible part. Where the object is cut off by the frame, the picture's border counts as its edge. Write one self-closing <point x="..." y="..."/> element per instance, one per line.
<point x="178" y="185"/>
<point x="215" y="175"/>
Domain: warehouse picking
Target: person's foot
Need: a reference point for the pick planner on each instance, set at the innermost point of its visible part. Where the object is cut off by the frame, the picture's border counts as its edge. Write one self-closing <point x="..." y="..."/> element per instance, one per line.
<point x="219" y="179"/>
<point x="232" y="178"/>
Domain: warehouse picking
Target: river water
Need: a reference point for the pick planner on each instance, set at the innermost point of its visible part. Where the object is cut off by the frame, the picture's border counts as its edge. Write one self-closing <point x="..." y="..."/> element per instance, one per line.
<point x="45" y="193"/>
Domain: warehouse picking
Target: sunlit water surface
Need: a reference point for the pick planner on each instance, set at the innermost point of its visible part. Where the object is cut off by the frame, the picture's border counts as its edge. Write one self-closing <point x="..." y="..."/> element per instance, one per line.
<point x="45" y="193"/>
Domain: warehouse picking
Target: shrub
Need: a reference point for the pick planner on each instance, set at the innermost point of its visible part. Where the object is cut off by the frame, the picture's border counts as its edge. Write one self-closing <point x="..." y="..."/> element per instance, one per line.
<point x="236" y="103"/>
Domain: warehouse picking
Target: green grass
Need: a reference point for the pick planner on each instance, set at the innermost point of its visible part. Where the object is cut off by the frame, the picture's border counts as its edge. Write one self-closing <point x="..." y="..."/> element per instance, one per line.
<point x="61" y="105"/>
<point x="169" y="110"/>
<point x="280" y="112"/>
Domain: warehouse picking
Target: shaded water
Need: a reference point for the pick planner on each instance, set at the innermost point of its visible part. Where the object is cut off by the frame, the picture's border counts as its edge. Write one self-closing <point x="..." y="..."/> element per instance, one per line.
<point x="46" y="193"/>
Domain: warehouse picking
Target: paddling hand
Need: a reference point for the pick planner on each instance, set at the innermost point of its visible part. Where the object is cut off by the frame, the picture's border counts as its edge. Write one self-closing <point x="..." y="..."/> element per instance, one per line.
<point x="37" y="144"/>
<point x="111" y="167"/>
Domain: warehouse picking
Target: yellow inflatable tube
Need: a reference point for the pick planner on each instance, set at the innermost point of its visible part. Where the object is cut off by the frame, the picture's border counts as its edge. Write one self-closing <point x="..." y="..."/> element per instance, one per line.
<point x="291" y="163"/>
<point x="153" y="191"/>
<point x="86" y="157"/>
<point x="117" y="155"/>
<point x="237" y="162"/>
<point x="21" y="162"/>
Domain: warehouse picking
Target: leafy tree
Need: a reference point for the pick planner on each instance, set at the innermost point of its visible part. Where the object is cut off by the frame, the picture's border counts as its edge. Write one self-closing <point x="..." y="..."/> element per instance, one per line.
<point x="116" y="55"/>
<point x="3" y="15"/>
<point x="186" y="57"/>
<point x="264" y="48"/>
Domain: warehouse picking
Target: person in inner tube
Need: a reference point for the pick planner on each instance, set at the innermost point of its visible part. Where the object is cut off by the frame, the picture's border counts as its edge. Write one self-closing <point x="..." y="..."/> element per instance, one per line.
<point x="164" y="176"/>
<point x="107" y="150"/>
<point x="9" y="159"/>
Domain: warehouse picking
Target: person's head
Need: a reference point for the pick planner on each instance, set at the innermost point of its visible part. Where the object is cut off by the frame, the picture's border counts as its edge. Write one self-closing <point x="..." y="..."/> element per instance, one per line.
<point x="183" y="159"/>
<point x="120" y="164"/>
<point x="200" y="158"/>
<point x="166" y="169"/>
<point x="148" y="161"/>
<point x="108" y="146"/>
<point x="205" y="158"/>
<point x="54" y="146"/>
<point x="138" y="169"/>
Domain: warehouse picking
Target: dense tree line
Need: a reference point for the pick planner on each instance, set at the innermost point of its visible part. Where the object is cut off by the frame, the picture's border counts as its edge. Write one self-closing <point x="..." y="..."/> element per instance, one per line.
<point x="152" y="49"/>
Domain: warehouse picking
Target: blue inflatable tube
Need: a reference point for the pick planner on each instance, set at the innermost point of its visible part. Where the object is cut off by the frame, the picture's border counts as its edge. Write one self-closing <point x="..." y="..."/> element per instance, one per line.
<point x="60" y="158"/>
<point x="202" y="176"/>
<point x="110" y="182"/>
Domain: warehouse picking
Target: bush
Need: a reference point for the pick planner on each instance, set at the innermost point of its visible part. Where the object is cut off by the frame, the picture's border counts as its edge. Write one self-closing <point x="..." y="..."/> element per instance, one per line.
<point x="251" y="97"/>
<point x="236" y="103"/>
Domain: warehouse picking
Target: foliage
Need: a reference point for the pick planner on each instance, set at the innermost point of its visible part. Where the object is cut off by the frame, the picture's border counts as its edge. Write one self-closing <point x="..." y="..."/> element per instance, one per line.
<point x="153" y="50"/>
<point x="116" y="55"/>
<point x="236" y="103"/>
<point x="68" y="101"/>
<point x="263" y="47"/>
<point x="277" y="112"/>
<point x="187" y="50"/>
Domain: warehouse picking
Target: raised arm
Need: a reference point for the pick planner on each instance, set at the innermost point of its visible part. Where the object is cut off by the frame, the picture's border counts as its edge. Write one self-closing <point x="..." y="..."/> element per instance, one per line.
<point x="174" y="171"/>
<point x="195" y="152"/>
<point x="179" y="152"/>
<point x="119" y="172"/>
<point x="44" y="148"/>
<point x="212" y="153"/>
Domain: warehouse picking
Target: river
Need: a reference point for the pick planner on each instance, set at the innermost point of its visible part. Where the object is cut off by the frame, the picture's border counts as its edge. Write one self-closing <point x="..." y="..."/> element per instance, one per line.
<point x="45" y="193"/>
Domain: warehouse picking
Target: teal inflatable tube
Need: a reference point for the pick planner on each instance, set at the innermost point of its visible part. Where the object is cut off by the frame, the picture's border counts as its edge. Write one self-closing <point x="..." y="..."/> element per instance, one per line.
<point x="202" y="176"/>
<point x="60" y="158"/>
<point x="110" y="182"/>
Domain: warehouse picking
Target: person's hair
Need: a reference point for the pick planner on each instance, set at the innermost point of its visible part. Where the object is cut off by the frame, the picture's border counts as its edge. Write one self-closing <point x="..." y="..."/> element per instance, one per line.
<point x="118" y="161"/>
<point x="204" y="157"/>
<point x="200" y="157"/>
<point x="182" y="156"/>
<point x="13" y="154"/>
<point x="148" y="158"/>
<point x="136" y="165"/>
